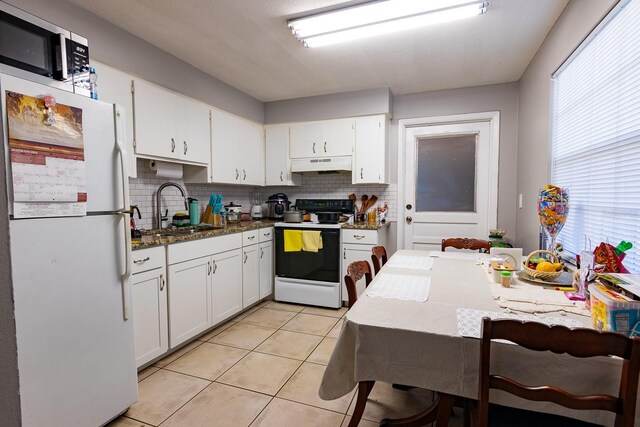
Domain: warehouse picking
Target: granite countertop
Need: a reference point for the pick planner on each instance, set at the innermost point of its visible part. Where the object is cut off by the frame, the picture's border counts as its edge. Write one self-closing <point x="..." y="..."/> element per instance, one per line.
<point x="366" y="226"/>
<point x="151" y="238"/>
<point x="156" y="237"/>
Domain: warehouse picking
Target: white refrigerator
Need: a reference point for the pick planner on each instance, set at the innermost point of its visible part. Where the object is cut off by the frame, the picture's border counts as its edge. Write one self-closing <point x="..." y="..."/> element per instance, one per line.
<point x="70" y="278"/>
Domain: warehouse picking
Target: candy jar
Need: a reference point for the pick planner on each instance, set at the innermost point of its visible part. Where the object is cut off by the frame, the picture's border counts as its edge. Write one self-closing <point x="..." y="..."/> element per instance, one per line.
<point x="553" y="209"/>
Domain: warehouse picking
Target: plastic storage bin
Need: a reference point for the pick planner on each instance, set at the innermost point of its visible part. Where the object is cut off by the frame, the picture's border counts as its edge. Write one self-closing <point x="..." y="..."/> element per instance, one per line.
<point x="611" y="311"/>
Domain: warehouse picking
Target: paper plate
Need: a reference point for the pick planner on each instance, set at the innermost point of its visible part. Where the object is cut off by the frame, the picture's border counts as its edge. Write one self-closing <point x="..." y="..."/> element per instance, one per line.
<point x="565" y="279"/>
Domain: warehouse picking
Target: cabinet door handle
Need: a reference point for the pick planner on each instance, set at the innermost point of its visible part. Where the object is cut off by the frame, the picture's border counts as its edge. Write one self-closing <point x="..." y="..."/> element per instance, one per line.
<point x="251" y="237"/>
<point x="245" y="257"/>
<point x="141" y="261"/>
<point x="357" y="236"/>
<point x="314" y="147"/>
<point x="261" y="253"/>
<point x="173" y="145"/>
<point x="186" y="147"/>
<point x="280" y="176"/>
<point x="325" y="146"/>
<point x="162" y="282"/>
<point x="266" y="234"/>
<point x="244" y="174"/>
<point x="209" y="268"/>
<point x="344" y="254"/>
<point x="215" y="266"/>
<point x="361" y="170"/>
<point x="237" y="173"/>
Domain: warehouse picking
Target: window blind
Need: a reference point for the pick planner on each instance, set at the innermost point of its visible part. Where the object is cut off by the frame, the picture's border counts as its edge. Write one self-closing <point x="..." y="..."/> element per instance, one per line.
<point x="595" y="136"/>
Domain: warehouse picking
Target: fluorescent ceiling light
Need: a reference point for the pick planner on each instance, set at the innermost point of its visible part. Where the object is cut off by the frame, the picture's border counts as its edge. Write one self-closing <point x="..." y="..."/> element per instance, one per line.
<point x="380" y="17"/>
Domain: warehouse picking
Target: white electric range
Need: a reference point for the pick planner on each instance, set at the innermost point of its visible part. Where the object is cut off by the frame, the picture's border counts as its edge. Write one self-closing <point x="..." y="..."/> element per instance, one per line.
<point x="311" y="278"/>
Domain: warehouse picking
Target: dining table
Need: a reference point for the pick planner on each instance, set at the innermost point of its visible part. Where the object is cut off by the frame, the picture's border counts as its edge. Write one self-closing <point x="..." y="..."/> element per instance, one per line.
<point x="418" y="324"/>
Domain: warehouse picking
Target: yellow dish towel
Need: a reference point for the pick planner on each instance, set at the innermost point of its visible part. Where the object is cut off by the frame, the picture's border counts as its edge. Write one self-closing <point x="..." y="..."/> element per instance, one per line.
<point x="292" y="240"/>
<point x="311" y="240"/>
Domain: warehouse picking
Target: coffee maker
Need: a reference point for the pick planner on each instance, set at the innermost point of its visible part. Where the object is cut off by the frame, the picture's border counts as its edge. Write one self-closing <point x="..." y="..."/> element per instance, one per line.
<point x="256" y="205"/>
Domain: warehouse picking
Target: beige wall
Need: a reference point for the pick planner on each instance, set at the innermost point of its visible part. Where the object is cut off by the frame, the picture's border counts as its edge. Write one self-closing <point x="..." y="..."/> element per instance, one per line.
<point x="575" y="23"/>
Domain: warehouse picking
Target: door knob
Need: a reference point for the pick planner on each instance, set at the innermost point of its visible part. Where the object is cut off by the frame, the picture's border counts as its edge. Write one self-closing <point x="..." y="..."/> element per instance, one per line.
<point x="409" y="207"/>
<point x="409" y="219"/>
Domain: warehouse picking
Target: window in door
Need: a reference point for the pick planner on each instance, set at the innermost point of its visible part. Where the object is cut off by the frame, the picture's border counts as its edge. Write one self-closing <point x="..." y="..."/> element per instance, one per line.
<point x="446" y="167"/>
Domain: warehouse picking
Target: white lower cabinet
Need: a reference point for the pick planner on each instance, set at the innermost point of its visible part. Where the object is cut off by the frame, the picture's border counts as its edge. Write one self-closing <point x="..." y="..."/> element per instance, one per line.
<point x="207" y="282"/>
<point x="226" y="285"/>
<point x="149" y="304"/>
<point x="356" y="246"/>
<point x="189" y="287"/>
<point x="266" y="261"/>
<point x="250" y="275"/>
<point x="266" y="269"/>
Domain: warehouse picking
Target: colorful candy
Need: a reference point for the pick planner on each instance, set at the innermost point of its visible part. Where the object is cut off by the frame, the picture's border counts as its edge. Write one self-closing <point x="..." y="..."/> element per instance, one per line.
<point x="553" y="209"/>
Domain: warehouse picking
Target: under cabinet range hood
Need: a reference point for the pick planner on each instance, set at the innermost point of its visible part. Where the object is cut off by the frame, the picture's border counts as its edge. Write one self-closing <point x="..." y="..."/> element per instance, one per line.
<point x="322" y="164"/>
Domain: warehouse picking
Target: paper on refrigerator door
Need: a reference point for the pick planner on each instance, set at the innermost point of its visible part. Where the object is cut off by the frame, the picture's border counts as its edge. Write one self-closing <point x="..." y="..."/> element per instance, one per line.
<point x="47" y="157"/>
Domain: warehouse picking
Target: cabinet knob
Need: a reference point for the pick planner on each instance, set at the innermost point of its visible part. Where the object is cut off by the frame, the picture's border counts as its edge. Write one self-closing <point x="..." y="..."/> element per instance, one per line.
<point x="409" y="219"/>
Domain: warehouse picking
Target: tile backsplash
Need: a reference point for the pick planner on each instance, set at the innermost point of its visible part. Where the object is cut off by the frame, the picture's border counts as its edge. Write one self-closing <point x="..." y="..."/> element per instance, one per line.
<point x="314" y="186"/>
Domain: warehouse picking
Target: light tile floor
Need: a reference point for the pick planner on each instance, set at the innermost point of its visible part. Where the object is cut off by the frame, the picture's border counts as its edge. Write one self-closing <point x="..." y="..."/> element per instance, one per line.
<point x="262" y="368"/>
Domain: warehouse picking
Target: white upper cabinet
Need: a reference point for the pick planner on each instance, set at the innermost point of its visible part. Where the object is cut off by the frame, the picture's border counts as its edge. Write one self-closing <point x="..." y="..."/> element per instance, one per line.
<point x="326" y="138"/>
<point x="237" y="150"/>
<point x="169" y="125"/>
<point x="371" y="162"/>
<point x="277" y="162"/>
<point x="114" y="87"/>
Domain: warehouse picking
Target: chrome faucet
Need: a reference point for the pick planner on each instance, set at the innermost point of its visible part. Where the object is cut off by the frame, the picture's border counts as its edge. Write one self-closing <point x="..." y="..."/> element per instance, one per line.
<point x="159" y="217"/>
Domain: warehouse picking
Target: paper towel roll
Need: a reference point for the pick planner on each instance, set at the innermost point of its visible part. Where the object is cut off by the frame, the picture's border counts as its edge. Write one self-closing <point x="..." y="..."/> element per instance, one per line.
<point x="165" y="169"/>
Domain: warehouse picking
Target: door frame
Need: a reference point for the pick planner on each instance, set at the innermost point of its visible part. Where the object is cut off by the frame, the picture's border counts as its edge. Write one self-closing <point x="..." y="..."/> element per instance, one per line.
<point x="493" y="117"/>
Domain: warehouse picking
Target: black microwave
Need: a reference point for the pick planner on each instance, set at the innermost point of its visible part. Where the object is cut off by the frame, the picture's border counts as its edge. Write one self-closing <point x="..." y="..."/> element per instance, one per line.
<point x="37" y="47"/>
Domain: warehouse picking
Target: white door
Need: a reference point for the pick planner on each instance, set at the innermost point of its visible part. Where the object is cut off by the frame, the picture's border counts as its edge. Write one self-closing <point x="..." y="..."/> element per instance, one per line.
<point x="352" y="253"/>
<point x="337" y="138"/>
<point x="195" y="132"/>
<point x="305" y="140"/>
<point x="226" y="285"/>
<point x="150" y="326"/>
<point x="250" y="275"/>
<point x="276" y="155"/>
<point x="266" y="269"/>
<point x="155" y="124"/>
<point x="450" y="183"/>
<point x="188" y="299"/>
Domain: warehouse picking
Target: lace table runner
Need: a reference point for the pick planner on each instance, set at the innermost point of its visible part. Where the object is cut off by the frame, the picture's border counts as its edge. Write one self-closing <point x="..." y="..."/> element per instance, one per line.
<point x="400" y="286"/>
<point x="470" y="321"/>
<point x="411" y="262"/>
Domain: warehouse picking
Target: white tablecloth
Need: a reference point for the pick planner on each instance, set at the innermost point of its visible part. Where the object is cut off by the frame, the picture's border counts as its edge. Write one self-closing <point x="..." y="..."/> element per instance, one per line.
<point x="417" y="343"/>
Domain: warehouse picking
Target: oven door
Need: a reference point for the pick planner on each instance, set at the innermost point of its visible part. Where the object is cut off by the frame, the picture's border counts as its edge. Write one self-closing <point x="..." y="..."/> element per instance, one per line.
<point x="321" y="266"/>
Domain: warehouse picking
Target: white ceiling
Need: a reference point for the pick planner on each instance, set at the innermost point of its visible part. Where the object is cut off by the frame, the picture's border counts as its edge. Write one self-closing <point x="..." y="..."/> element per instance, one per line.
<point x="246" y="43"/>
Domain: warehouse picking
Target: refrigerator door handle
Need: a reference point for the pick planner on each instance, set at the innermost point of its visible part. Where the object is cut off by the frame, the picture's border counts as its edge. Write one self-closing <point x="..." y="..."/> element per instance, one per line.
<point x="124" y="210"/>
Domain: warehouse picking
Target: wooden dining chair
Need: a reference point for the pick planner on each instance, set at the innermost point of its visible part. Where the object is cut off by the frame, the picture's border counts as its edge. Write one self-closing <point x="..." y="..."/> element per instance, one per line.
<point x="579" y="343"/>
<point x="355" y="271"/>
<point x="378" y="258"/>
<point x="466" y="243"/>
